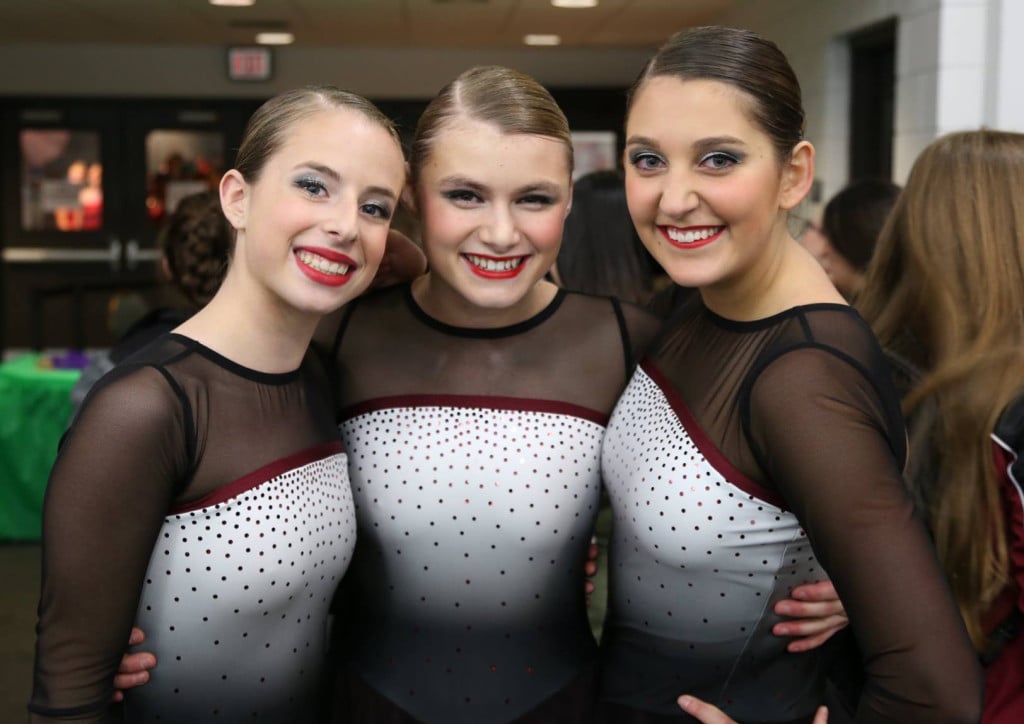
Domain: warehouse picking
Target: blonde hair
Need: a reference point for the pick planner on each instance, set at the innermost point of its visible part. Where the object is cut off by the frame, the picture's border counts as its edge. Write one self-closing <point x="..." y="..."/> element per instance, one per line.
<point x="265" y="131"/>
<point x="506" y="98"/>
<point x="948" y="273"/>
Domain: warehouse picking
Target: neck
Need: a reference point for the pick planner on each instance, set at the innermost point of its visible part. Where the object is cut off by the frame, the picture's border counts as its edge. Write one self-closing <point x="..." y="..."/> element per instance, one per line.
<point x="251" y="327"/>
<point x="786" y="277"/>
<point x="446" y="305"/>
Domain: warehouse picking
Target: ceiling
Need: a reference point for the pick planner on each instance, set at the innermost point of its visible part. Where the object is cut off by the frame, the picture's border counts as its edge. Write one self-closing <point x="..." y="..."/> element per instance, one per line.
<point x="356" y="23"/>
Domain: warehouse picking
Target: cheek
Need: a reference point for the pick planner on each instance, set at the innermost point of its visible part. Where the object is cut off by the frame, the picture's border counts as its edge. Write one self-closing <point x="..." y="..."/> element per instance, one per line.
<point x="545" y="230"/>
<point x="639" y="197"/>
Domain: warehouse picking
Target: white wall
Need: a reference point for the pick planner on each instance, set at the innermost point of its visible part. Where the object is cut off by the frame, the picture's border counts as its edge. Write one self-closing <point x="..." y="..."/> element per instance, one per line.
<point x="959" y="66"/>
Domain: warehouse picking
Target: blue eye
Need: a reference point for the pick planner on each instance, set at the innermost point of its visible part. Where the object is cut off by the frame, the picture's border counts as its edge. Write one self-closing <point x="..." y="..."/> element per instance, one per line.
<point x="378" y="210"/>
<point x="311" y="185"/>
<point x="719" y="160"/>
<point x="646" y="160"/>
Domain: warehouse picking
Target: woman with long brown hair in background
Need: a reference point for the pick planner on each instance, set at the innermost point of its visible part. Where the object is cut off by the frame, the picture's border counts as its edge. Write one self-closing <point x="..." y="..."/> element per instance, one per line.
<point x="945" y="292"/>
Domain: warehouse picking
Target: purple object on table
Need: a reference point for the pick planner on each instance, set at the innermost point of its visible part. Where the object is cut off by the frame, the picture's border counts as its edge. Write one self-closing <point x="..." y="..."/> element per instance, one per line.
<point x="73" y="359"/>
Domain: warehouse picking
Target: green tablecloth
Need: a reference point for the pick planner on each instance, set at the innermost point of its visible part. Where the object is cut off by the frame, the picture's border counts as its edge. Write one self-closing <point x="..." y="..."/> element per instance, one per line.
<point x="35" y="405"/>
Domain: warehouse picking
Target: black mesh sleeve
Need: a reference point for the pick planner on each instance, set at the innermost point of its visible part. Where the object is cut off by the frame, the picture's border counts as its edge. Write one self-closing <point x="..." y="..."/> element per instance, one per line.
<point x="117" y="472"/>
<point x="819" y="426"/>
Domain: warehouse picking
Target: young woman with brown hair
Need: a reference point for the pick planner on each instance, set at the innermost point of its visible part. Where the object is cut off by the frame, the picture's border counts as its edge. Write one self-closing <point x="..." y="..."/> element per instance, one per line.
<point x="945" y="293"/>
<point x="760" y="443"/>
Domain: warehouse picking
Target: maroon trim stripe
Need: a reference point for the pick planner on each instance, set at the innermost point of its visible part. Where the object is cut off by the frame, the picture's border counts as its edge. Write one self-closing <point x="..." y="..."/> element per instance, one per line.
<point x="262" y="475"/>
<point x="478" y="402"/>
<point x="707" y="448"/>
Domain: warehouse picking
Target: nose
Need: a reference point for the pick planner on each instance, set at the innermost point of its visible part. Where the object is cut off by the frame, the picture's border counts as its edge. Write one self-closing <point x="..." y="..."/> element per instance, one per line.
<point x="679" y="195"/>
<point x="341" y="219"/>
<point x="499" y="231"/>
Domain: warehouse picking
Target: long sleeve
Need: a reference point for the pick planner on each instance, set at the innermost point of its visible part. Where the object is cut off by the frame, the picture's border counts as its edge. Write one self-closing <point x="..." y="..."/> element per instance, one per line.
<point x="817" y="421"/>
<point x="118" y="470"/>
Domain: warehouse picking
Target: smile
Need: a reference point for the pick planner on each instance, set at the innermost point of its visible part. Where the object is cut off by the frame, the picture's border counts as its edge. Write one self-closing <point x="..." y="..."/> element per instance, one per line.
<point x="495" y="267"/>
<point x="332" y="271"/>
<point x="692" y="237"/>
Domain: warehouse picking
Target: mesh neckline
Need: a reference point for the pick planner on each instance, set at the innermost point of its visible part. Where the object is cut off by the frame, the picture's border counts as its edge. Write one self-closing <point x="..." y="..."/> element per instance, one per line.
<point x="764" y="322"/>
<point x="483" y="333"/>
<point x="266" y="378"/>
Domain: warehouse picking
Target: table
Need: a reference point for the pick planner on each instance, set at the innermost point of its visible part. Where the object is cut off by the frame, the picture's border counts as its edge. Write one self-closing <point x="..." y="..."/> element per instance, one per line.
<point x="35" y="406"/>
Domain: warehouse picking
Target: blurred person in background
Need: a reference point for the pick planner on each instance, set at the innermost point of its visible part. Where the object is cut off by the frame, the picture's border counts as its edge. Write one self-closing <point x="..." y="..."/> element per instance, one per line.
<point x="845" y="241"/>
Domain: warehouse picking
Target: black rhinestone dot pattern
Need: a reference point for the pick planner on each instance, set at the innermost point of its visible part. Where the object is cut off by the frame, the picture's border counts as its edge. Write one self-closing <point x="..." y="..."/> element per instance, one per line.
<point x="236" y="598"/>
<point x="696" y="565"/>
<point x="473" y="527"/>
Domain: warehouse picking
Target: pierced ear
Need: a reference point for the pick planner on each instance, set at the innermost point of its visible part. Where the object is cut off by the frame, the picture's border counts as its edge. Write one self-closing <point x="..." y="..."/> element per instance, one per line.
<point x="797" y="176"/>
<point x="234" y="196"/>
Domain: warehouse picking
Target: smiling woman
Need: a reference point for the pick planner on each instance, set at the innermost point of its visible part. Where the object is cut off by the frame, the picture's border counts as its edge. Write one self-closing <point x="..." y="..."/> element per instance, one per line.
<point x="473" y="403"/>
<point x="760" y="443"/>
<point x="203" y="484"/>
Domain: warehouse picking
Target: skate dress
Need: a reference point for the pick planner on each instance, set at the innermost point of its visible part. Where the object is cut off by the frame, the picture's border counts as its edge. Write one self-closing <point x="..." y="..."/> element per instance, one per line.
<point x="474" y="459"/>
<point x="744" y="459"/>
<point x="208" y="504"/>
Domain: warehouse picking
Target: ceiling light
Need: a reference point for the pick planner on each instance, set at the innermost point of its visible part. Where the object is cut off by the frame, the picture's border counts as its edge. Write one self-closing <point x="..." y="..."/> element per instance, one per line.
<point x="574" y="3"/>
<point x="275" y="38"/>
<point x="536" y="39"/>
<point x="233" y="3"/>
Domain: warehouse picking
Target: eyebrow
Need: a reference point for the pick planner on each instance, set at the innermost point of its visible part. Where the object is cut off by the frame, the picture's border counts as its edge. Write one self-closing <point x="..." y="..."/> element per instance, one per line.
<point x="468" y="183"/>
<point x="336" y="177"/>
<point x="701" y="145"/>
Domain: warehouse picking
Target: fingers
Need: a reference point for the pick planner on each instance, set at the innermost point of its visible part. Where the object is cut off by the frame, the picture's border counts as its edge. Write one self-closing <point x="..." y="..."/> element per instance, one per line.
<point x="820" y="591"/>
<point x="135" y="663"/>
<point x="590" y="568"/>
<point x="798" y="646"/>
<point x="810" y="626"/>
<point x="709" y="714"/>
<point x="137" y="636"/>
<point x="805" y="609"/>
<point x="702" y="711"/>
<point x="129" y="681"/>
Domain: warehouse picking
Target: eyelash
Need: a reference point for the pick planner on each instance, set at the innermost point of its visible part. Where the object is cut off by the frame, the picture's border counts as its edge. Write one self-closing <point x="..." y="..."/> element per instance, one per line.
<point x="537" y="200"/>
<point x="378" y="210"/>
<point x="464" y="196"/>
<point x="730" y="159"/>
<point x="311" y="185"/>
<point x="637" y="158"/>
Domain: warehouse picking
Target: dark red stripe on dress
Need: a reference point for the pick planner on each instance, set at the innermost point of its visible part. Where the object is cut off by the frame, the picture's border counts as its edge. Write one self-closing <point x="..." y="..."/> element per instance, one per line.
<point x="476" y="402"/>
<point x="262" y="475"/>
<point x="707" y="448"/>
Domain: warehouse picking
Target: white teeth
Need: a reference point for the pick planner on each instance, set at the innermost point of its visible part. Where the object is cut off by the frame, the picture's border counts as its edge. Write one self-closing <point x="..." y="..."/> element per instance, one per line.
<point x="688" y="237"/>
<point x="494" y="265"/>
<point x="320" y="264"/>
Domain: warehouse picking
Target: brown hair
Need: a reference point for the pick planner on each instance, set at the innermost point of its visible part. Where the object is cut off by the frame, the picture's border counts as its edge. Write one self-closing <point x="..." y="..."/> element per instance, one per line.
<point x="197" y="243"/>
<point x="948" y="273"/>
<point x="264" y="133"/>
<point x="744" y="60"/>
<point x="854" y="217"/>
<point x="512" y="101"/>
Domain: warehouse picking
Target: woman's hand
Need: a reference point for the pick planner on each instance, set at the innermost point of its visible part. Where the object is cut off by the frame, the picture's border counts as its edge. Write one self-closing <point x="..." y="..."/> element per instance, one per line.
<point x="709" y="714"/>
<point x="403" y="261"/>
<point x="134" y="668"/>
<point x="817" y="612"/>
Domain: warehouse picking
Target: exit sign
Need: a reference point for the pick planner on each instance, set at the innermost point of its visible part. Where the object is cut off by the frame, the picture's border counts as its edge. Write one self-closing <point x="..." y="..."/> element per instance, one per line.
<point x="249" y="63"/>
